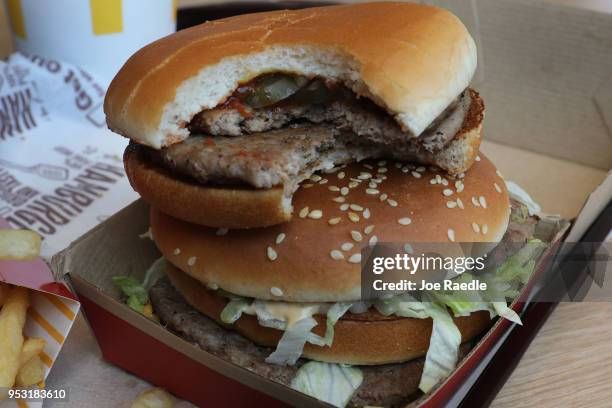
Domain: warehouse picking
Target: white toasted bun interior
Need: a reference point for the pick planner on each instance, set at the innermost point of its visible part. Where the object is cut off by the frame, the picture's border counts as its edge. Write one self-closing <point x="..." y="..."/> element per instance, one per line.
<point x="413" y="60"/>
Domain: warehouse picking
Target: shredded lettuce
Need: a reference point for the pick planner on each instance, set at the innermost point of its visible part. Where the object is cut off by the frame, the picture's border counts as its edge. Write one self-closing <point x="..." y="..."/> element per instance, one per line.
<point x="333" y="315"/>
<point x="291" y="345"/>
<point x="137" y="295"/>
<point x="502" y="309"/>
<point x="404" y="305"/>
<point x="234" y="309"/>
<point x="520" y="195"/>
<point x="332" y="383"/>
<point x="443" y="351"/>
<point x="156" y="271"/>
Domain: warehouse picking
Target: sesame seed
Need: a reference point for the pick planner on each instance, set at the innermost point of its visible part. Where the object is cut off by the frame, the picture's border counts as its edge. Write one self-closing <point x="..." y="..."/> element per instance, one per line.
<point x="404" y="221"/>
<point x="272" y="255"/>
<point x="416" y="174"/>
<point x="485" y="229"/>
<point x="353" y="184"/>
<point x="356" y="180"/>
<point x="373" y="240"/>
<point x="420" y="169"/>
<point x="364" y="176"/>
<point x="459" y="186"/>
<point x="333" y="188"/>
<point x="444" y="182"/>
<point x="367" y="230"/>
<point x="212" y="285"/>
<point x="372" y="184"/>
<point x="339" y="199"/>
<point x="355" y="258"/>
<point x="347" y="246"/>
<point x="344" y="191"/>
<point x="344" y="207"/>
<point x="408" y="249"/>
<point x="383" y="197"/>
<point x="405" y="170"/>
<point x="483" y="202"/>
<point x="307" y="185"/>
<point x="448" y="192"/>
<point x="280" y="238"/>
<point x="451" y="204"/>
<point x="382" y="169"/>
<point x="475" y="227"/>
<point x="341" y="175"/>
<point x="356" y="235"/>
<point x="372" y="191"/>
<point x="451" y="235"/>
<point x="315" y="177"/>
<point x="324" y="181"/>
<point x="334" y="221"/>
<point x="315" y="214"/>
<point x="276" y="291"/>
<point x="353" y="217"/>
<point x="475" y="202"/>
<point x="368" y="166"/>
<point x="336" y="255"/>
<point x="356" y="207"/>
<point x="382" y="163"/>
<point x="460" y="203"/>
<point x="366" y="213"/>
<point x="382" y="176"/>
<point x="191" y="261"/>
<point x="433" y="181"/>
<point x="221" y="231"/>
<point x="477" y="158"/>
<point x="438" y="179"/>
<point x="177" y="251"/>
<point x="499" y="174"/>
<point x="303" y="212"/>
<point x="460" y="175"/>
<point x="497" y="188"/>
<point x="392" y="203"/>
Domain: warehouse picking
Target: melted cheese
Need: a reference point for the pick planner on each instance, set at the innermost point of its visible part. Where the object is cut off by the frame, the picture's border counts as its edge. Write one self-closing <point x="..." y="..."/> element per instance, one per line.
<point x="288" y="312"/>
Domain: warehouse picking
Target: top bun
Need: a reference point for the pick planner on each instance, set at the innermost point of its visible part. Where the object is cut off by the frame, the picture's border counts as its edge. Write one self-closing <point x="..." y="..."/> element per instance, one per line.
<point x="407" y="206"/>
<point x="413" y="60"/>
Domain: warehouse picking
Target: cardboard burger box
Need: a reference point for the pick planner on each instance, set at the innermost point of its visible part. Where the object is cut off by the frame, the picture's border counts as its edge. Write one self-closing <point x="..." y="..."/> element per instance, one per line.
<point x="545" y="73"/>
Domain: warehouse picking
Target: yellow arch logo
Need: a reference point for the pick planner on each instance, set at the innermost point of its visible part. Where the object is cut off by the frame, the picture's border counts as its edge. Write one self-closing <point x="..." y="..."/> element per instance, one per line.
<point x="106" y="16"/>
<point x="16" y="16"/>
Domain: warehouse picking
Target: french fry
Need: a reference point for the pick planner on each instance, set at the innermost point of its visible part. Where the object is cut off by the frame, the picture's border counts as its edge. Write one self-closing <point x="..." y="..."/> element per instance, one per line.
<point x="154" y="398"/>
<point x="30" y="373"/>
<point x="31" y="347"/>
<point x="4" y="289"/>
<point x="12" y="321"/>
<point x="19" y="245"/>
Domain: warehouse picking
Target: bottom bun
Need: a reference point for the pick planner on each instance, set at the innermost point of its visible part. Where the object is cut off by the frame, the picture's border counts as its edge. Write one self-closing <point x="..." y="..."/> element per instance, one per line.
<point x="359" y="339"/>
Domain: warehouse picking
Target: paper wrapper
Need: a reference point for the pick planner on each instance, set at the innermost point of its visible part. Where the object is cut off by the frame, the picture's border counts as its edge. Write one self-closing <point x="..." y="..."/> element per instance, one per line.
<point x="60" y="167"/>
<point x="51" y="314"/>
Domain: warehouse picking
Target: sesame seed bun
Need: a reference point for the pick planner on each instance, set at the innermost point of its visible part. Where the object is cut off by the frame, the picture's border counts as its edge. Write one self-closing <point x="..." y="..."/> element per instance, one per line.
<point x="412" y="60"/>
<point x="301" y="267"/>
<point x="244" y="207"/>
<point x="359" y="339"/>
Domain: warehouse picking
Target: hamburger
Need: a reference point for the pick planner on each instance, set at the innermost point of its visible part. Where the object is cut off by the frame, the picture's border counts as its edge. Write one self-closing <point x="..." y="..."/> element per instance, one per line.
<point x="229" y="117"/>
<point x="273" y="148"/>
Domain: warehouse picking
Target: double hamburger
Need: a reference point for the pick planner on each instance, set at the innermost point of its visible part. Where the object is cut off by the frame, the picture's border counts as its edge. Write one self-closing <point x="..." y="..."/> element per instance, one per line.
<point x="272" y="148"/>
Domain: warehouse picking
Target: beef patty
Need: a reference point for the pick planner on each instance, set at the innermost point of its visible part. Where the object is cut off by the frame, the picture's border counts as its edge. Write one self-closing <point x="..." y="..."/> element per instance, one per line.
<point x="390" y="385"/>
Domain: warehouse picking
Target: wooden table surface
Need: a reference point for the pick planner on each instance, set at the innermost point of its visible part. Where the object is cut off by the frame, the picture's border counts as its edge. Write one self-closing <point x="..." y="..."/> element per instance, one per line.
<point x="569" y="363"/>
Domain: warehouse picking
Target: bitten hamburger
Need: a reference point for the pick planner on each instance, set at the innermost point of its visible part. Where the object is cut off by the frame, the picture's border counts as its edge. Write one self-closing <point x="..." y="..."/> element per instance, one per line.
<point x="228" y="118"/>
<point x="273" y="147"/>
